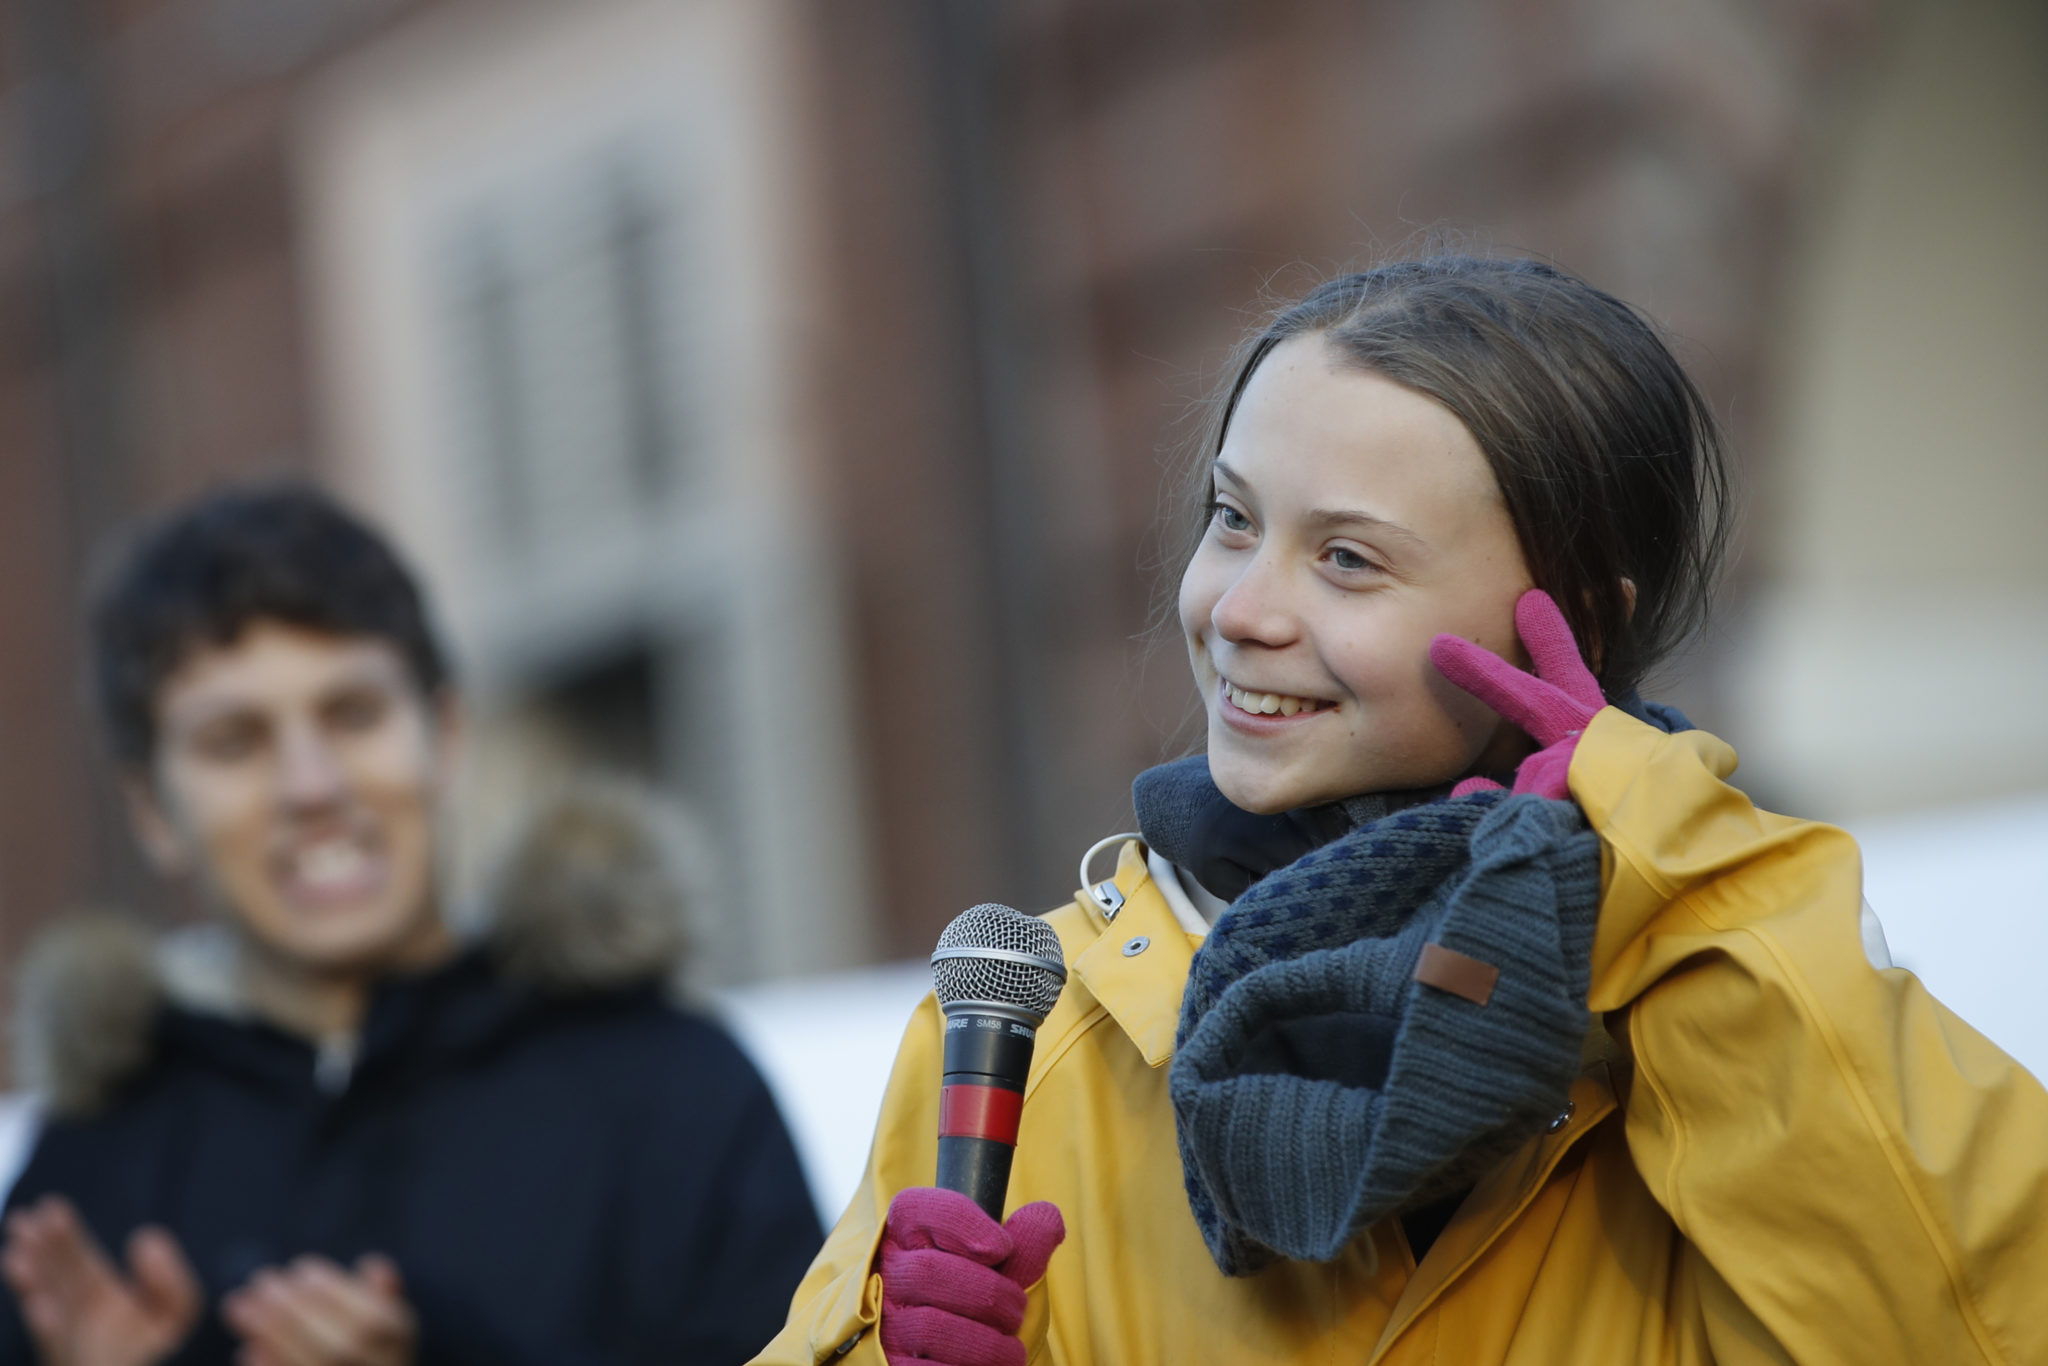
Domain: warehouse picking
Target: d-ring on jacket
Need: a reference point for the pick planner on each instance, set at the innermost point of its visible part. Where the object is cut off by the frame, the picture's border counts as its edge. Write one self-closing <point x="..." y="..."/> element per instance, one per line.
<point x="1775" y="1152"/>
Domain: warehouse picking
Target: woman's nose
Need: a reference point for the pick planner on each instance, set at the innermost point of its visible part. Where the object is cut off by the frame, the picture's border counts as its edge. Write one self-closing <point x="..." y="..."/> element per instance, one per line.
<point x="1255" y="608"/>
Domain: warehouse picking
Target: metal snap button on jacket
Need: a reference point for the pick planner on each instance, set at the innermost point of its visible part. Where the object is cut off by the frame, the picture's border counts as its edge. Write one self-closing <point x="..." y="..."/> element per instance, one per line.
<point x="1134" y="947"/>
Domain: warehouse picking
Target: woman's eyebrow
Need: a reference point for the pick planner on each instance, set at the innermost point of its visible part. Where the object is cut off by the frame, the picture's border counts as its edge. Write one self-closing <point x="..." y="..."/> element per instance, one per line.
<point x="1330" y="519"/>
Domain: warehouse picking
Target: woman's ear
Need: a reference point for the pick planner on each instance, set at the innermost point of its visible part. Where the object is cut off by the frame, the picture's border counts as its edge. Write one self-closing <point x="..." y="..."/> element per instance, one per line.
<point x="1595" y="650"/>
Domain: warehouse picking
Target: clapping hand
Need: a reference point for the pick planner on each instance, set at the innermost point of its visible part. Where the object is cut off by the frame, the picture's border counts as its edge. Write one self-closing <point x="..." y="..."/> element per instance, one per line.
<point x="83" y="1310"/>
<point x="313" y="1312"/>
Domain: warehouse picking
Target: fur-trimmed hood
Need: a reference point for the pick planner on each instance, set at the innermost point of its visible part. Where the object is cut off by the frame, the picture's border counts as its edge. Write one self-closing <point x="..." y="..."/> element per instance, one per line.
<point x="592" y="897"/>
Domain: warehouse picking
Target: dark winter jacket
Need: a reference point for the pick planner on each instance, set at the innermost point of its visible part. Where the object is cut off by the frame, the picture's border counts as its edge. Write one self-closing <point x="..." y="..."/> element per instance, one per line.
<point x="564" y="1178"/>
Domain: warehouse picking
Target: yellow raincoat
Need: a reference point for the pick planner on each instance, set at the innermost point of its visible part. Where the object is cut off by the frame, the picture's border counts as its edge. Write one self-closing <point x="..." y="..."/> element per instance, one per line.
<point x="1775" y="1152"/>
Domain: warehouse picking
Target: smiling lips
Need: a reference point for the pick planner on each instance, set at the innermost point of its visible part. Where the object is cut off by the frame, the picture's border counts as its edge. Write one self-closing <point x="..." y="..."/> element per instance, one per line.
<point x="1271" y="703"/>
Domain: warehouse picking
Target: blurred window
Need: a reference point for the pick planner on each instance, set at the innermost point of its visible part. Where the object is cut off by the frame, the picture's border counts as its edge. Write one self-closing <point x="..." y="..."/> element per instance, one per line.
<point x="561" y="325"/>
<point x="559" y="254"/>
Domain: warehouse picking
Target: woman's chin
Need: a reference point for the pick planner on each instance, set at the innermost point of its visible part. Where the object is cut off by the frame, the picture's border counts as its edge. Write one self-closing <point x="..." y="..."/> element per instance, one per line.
<point x="1262" y="789"/>
<point x="1257" y="784"/>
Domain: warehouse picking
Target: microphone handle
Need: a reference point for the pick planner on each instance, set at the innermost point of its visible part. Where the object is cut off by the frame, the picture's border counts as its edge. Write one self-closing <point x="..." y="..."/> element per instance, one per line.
<point x="978" y="1168"/>
<point x="981" y="1098"/>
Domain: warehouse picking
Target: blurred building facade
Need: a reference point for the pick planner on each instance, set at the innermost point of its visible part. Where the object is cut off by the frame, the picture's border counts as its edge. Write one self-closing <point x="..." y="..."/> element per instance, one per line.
<point x="783" y="398"/>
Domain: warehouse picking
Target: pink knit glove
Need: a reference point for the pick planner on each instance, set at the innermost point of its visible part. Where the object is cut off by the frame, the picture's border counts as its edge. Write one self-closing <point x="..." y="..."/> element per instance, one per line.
<point x="953" y="1279"/>
<point x="1553" y="706"/>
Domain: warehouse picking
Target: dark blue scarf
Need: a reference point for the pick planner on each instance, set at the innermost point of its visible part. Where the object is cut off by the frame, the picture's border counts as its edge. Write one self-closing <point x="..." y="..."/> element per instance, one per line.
<point x="1318" y="1086"/>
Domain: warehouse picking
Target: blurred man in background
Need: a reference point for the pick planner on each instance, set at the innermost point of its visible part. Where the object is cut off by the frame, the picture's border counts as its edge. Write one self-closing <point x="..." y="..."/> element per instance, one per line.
<point x="324" y="1132"/>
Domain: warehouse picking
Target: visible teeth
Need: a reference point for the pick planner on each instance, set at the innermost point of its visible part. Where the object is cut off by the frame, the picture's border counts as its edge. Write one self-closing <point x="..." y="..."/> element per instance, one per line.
<point x="1268" y="703"/>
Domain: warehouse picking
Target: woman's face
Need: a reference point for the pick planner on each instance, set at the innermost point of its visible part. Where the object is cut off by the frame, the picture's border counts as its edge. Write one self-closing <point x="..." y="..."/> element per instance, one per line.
<point x="1354" y="521"/>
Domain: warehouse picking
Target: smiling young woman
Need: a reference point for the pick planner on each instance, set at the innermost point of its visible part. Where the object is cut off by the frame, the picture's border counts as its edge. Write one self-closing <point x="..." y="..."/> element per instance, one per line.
<point x="1454" y="1005"/>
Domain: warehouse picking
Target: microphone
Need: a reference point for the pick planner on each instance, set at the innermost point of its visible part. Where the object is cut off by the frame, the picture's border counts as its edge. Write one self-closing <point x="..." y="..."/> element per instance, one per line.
<point x="997" y="973"/>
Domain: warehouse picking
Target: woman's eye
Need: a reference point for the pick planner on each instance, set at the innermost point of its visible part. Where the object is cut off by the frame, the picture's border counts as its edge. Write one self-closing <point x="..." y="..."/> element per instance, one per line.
<point x="1345" y="558"/>
<point x="1229" y="518"/>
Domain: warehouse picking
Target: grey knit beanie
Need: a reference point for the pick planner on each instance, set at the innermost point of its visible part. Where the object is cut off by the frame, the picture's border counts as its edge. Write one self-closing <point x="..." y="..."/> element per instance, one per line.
<point x="1318" y="1086"/>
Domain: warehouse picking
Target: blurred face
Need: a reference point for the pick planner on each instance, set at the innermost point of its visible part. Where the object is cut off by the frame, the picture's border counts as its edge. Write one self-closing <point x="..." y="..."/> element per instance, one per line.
<point x="1354" y="521"/>
<point x="295" y="780"/>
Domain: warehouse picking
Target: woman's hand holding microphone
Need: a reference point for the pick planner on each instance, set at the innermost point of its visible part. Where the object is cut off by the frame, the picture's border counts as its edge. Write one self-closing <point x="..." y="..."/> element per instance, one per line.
<point x="953" y="1279"/>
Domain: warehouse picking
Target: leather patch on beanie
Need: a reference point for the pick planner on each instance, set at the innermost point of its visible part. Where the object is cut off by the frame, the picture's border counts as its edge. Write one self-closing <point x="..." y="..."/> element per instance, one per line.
<point x="1458" y="973"/>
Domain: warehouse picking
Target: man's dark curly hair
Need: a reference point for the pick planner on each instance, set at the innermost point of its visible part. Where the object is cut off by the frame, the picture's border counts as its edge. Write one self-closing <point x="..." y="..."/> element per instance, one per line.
<point x="272" y="551"/>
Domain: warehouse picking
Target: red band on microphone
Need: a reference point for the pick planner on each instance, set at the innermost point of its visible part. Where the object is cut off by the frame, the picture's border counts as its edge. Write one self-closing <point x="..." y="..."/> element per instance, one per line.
<point x="980" y="1112"/>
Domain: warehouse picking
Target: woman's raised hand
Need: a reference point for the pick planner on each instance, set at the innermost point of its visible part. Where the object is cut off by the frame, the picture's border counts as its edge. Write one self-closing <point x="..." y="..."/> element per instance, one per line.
<point x="83" y="1310"/>
<point x="1553" y="705"/>
<point x="953" y="1279"/>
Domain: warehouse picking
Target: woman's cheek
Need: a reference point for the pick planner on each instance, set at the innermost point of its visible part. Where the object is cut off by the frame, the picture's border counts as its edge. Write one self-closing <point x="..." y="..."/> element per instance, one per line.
<point x="1438" y="731"/>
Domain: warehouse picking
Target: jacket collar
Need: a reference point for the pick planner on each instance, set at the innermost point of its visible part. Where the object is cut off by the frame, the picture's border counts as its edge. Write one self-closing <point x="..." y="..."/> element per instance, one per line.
<point x="1137" y="965"/>
<point x="1192" y="904"/>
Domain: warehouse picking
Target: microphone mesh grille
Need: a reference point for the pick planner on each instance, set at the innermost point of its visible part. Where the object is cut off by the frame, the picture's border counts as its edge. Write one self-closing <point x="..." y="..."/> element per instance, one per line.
<point x="1025" y="986"/>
